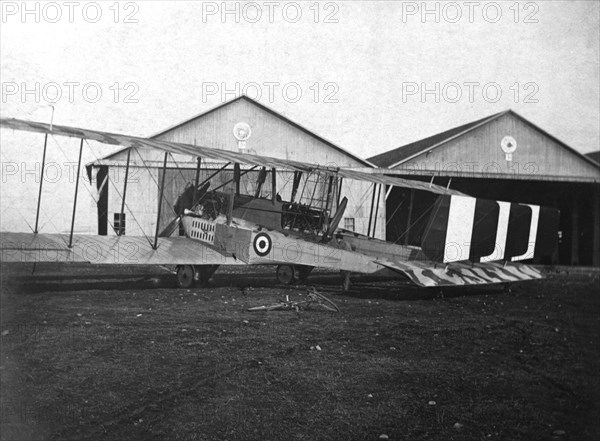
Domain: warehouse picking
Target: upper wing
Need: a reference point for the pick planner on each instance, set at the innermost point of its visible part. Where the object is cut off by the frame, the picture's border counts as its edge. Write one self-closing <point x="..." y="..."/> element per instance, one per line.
<point x="217" y="154"/>
<point x="131" y="250"/>
<point x="398" y="182"/>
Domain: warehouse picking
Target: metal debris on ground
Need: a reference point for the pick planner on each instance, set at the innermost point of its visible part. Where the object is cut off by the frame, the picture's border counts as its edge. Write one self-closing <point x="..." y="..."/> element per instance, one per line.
<point x="313" y="298"/>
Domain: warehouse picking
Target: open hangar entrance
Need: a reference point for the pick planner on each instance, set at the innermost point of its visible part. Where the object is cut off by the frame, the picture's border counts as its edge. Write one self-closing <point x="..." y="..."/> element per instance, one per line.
<point x="502" y="157"/>
<point x="578" y="204"/>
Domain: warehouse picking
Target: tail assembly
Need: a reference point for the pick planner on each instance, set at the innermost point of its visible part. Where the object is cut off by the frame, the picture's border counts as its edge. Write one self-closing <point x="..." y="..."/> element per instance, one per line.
<point x="462" y="228"/>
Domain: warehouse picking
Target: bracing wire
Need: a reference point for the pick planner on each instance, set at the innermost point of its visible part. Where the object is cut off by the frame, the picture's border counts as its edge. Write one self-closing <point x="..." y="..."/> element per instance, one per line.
<point x="126" y="205"/>
<point x="21" y="214"/>
<point x="93" y="196"/>
<point x="152" y="176"/>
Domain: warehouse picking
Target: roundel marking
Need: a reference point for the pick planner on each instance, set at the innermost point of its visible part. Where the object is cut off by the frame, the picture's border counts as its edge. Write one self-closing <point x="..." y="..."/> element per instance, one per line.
<point x="508" y="144"/>
<point x="242" y="131"/>
<point x="262" y="244"/>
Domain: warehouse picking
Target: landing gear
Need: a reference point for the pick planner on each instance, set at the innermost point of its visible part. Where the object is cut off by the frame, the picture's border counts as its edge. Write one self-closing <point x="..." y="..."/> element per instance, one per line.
<point x="345" y="281"/>
<point x="191" y="275"/>
<point x="303" y="271"/>
<point x="289" y="274"/>
<point x="186" y="276"/>
<point x="286" y="274"/>
<point x="205" y="272"/>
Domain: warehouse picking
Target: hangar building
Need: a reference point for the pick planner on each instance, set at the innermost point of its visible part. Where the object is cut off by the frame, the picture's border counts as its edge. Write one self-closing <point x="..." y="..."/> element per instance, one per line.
<point x="271" y="134"/>
<point x="504" y="157"/>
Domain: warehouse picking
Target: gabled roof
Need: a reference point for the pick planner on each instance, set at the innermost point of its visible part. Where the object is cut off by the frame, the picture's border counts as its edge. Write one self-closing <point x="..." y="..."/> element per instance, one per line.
<point x="397" y="156"/>
<point x="276" y="114"/>
<point x="594" y="156"/>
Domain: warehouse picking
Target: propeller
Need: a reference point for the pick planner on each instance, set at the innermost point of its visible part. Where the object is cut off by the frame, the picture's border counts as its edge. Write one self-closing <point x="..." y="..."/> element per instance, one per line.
<point x="185" y="201"/>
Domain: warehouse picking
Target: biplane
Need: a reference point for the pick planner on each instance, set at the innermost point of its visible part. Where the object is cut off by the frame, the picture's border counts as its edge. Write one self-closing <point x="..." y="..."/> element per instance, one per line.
<point x="466" y="241"/>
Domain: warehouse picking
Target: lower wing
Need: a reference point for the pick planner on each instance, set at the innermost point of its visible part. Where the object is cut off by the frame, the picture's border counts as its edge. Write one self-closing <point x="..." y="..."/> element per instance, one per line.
<point x="130" y="250"/>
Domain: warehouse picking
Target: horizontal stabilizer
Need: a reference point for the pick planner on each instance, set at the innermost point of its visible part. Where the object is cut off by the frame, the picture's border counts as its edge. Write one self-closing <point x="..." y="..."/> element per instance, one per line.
<point x="428" y="274"/>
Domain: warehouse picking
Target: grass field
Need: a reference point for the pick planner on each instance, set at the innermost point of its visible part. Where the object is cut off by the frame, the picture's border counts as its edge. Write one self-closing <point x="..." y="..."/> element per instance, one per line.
<point x="93" y="353"/>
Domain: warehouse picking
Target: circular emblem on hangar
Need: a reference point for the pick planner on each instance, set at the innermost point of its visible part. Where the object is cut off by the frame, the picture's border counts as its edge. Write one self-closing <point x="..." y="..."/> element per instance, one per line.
<point x="262" y="244"/>
<point x="508" y="146"/>
<point x="242" y="131"/>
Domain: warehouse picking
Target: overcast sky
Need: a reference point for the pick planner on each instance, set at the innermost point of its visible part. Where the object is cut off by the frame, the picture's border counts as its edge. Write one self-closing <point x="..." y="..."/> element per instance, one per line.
<point x="353" y="72"/>
<point x="368" y="61"/>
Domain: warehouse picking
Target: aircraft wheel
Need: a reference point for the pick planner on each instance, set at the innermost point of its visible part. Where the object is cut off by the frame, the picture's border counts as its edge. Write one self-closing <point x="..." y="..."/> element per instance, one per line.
<point x="286" y="274"/>
<point x="186" y="276"/>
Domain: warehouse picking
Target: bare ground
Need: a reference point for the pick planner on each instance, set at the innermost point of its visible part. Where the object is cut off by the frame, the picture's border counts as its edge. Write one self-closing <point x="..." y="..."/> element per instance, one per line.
<point x="105" y="353"/>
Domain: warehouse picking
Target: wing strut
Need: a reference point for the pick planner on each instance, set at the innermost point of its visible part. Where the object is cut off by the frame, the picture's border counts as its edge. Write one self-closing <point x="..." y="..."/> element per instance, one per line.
<point x="197" y="180"/>
<point x="262" y="176"/>
<point x="37" y="213"/>
<point x="296" y="184"/>
<point x="236" y="178"/>
<point x="377" y="208"/>
<point x="274" y="185"/>
<point x="76" y="190"/>
<point x="162" y="188"/>
<point x="372" y="206"/>
<point x="122" y="215"/>
<point x="329" y="192"/>
<point x="410" y="212"/>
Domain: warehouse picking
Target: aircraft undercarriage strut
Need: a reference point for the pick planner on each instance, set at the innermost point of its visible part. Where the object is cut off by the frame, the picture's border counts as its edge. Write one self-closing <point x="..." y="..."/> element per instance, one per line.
<point x="191" y="275"/>
<point x="345" y="281"/>
<point x="289" y="274"/>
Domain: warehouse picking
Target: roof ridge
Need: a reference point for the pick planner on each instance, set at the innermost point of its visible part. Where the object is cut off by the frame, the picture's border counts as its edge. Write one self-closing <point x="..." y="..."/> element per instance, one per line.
<point x="422" y="145"/>
<point x="276" y="114"/>
<point x="555" y="139"/>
